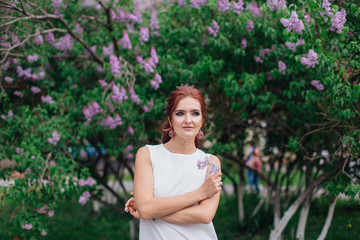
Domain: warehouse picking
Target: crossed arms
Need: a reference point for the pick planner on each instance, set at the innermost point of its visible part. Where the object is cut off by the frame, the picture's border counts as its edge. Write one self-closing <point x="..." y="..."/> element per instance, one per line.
<point x="177" y="209"/>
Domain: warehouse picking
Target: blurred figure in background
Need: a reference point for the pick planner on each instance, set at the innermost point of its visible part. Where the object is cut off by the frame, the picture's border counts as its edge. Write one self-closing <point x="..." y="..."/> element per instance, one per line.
<point x="255" y="164"/>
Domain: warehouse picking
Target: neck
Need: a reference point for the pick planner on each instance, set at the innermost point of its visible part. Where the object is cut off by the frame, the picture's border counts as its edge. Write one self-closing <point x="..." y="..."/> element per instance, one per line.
<point x="182" y="146"/>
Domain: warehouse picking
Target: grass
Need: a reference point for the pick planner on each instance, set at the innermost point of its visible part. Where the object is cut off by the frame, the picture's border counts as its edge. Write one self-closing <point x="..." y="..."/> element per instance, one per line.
<point x="73" y="221"/>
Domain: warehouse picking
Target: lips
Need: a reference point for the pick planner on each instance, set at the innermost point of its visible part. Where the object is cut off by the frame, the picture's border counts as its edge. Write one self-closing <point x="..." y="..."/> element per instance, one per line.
<point x="188" y="128"/>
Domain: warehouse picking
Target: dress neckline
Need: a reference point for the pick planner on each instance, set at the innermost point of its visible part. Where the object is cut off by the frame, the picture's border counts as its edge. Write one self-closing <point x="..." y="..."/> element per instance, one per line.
<point x="179" y="154"/>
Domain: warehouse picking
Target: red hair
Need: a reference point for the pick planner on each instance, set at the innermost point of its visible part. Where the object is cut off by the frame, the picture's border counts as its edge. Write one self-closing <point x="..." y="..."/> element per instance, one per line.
<point x="180" y="93"/>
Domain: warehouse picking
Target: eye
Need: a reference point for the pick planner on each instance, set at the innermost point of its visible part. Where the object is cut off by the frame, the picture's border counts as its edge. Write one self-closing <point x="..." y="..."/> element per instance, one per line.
<point x="179" y="113"/>
<point x="196" y="113"/>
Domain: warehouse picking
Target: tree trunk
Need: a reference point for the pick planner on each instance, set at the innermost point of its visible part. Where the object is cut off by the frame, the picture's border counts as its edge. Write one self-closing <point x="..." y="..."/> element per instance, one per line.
<point x="277" y="212"/>
<point x="328" y="219"/>
<point x="274" y="235"/>
<point x="300" y="232"/>
<point x="258" y="206"/>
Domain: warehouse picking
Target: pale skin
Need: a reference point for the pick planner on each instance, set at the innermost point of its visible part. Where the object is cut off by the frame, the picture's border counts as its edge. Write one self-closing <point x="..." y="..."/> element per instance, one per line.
<point x="186" y="122"/>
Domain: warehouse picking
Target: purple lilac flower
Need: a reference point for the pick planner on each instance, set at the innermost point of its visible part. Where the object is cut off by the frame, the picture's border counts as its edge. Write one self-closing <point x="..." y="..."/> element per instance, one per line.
<point x="6" y="65"/>
<point x="223" y="5"/>
<point x="78" y="29"/>
<point x="338" y="21"/>
<point x="47" y="99"/>
<point x="151" y="103"/>
<point x="84" y="198"/>
<point x="307" y="19"/>
<point x="107" y="51"/>
<point x="154" y="55"/>
<point x="55" y="137"/>
<point x="28" y="170"/>
<point x="258" y="59"/>
<point x="19" y="94"/>
<point x="56" y="3"/>
<point x="125" y="41"/>
<point x="93" y="49"/>
<point x="293" y="23"/>
<point x="9" y="80"/>
<point x="133" y="96"/>
<point x="213" y="168"/>
<point x="103" y="83"/>
<point x="62" y="189"/>
<point x="311" y="60"/>
<point x="250" y="26"/>
<point x="113" y="14"/>
<point x="18" y="151"/>
<point x="201" y="164"/>
<point x="243" y="43"/>
<point x="154" y="24"/>
<point x="238" y="7"/>
<point x="32" y="58"/>
<point x="253" y="7"/>
<point x="51" y="213"/>
<point x="156" y="82"/>
<point x="158" y="78"/>
<point x="181" y="2"/>
<point x="300" y="42"/>
<point x="327" y="6"/>
<point x="65" y="43"/>
<point x="110" y="122"/>
<point x="115" y="65"/>
<point x="144" y="35"/>
<point x="130" y="156"/>
<point x="52" y="163"/>
<point x="38" y="39"/>
<point x="35" y="90"/>
<point x="43" y="233"/>
<point x="291" y="46"/>
<point x="27" y="226"/>
<point x="10" y="115"/>
<point x="50" y="38"/>
<point x="99" y="69"/>
<point x="128" y="149"/>
<point x="121" y="16"/>
<point x="197" y="3"/>
<point x="130" y="130"/>
<point x="118" y="95"/>
<point x="214" y="29"/>
<point x="92" y="110"/>
<point x="276" y="4"/>
<point x="146" y="108"/>
<point x="148" y="65"/>
<point x="15" y="39"/>
<point x="138" y="18"/>
<point x="281" y="67"/>
<point x="264" y="52"/>
<point x="318" y="85"/>
<point x="90" y="181"/>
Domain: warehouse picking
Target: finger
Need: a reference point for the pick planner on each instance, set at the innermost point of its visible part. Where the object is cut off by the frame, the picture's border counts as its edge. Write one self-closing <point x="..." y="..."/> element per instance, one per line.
<point x="132" y="193"/>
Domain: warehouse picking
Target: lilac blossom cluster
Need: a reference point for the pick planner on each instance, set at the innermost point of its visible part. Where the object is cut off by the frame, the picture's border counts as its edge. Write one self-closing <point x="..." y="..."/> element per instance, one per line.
<point x="310" y="60"/>
<point x="65" y="43"/>
<point x="133" y="96"/>
<point x="125" y="41"/>
<point x="243" y="43"/>
<point x="293" y="23"/>
<point x="38" y="39"/>
<point x="35" y="90"/>
<point x="214" y="29"/>
<point x="144" y="35"/>
<point x="202" y="164"/>
<point x="47" y="99"/>
<point x="318" y="85"/>
<point x="27" y="226"/>
<point x="253" y="7"/>
<point x="327" y="7"/>
<point x="84" y="198"/>
<point x="197" y="3"/>
<point x="156" y="82"/>
<point x="118" y="95"/>
<point x="250" y="26"/>
<point x="8" y="80"/>
<point x="127" y="151"/>
<point x="27" y="74"/>
<point x="107" y="51"/>
<point x="32" y="58"/>
<point x="45" y="210"/>
<point x="92" y="110"/>
<point x="87" y="182"/>
<point x="338" y="21"/>
<point x="55" y="137"/>
<point x="9" y="115"/>
<point x="115" y="65"/>
<point x="19" y="94"/>
<point x="131" y="130"/>
<point x="275" y="5"/>
<point x="238" y="7"/>
<point x="111" y="123"/>
<point x="87" y="52"/>
<point x="292" y="46"/>
<point x="78" y="29"/>
<point x="281" y="67"/>
<point x="127" y="17"/>
<point x="154" y="24"/>
<point x="150" y="63"/>
<point x="50" y="38"/>
<point x="223" y="5"/>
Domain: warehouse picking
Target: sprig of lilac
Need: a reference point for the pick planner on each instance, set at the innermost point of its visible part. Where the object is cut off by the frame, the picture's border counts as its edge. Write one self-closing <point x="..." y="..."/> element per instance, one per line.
<point x="47" y="99"/>
<point x="275" y="5"/>
<point x="202" y="163"/>
<point x="55" y="137"/>
<point x="111" y="123"/>
<point x="84" y="198"/>
<point x="91" y="110"/>
<point x="253" y="7"/>
<point x="318" y="85"/>
<point x="133" y="96"/>
<point x="223" y="5"/>
<point x="293" y="23"/>
<point x="115" y="65"/>
<point x="144" y="35"/>
<point x="281" y="67"/>
<point x="118" y="95"/>
<point x="65" y="43"/>
<point x="125" y="41"/>
<point x="338" y="21"/>
<point x="214" y="29"/>
<point x="238" y="7"/>
<point x="311" y="60"/>
<point x="250" y="26"/>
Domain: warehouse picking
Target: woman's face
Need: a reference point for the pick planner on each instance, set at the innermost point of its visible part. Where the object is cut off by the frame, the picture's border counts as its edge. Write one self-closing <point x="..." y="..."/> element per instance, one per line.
<point x="187" y="118"/>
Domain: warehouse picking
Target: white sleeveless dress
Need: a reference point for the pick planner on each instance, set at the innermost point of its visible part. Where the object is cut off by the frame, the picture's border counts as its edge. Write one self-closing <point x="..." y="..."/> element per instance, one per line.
<point x="175" y="174"/>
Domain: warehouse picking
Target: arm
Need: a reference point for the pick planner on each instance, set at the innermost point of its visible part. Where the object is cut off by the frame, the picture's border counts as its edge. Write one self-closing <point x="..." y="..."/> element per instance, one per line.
<point x="149" y="206"/>
<point x="202" y="213"/>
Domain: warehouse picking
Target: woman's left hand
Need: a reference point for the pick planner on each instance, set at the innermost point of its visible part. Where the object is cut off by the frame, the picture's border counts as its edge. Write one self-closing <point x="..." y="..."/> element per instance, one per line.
<point x="130" y="206"/>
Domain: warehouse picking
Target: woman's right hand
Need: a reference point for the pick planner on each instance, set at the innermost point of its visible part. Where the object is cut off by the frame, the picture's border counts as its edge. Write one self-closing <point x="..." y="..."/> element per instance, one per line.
<point x="212" y="185"/>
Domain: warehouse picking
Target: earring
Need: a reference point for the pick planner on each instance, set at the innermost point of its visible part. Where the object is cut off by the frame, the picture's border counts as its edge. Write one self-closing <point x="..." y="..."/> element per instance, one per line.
<point x="200" y="134"/>
<point x="171" y="133"/>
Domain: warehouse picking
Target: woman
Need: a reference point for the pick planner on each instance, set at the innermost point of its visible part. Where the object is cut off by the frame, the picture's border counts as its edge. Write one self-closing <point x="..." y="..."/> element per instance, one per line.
<point x="176" y="185"/>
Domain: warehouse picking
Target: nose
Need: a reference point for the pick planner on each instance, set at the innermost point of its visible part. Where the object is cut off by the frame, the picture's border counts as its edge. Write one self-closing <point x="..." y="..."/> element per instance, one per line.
<point x="188" y="118"/>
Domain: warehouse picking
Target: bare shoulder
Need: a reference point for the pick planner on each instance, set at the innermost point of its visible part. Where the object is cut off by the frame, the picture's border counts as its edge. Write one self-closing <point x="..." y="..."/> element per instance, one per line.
<point x="143" y="155"/>
<point x="215" y="159"/>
